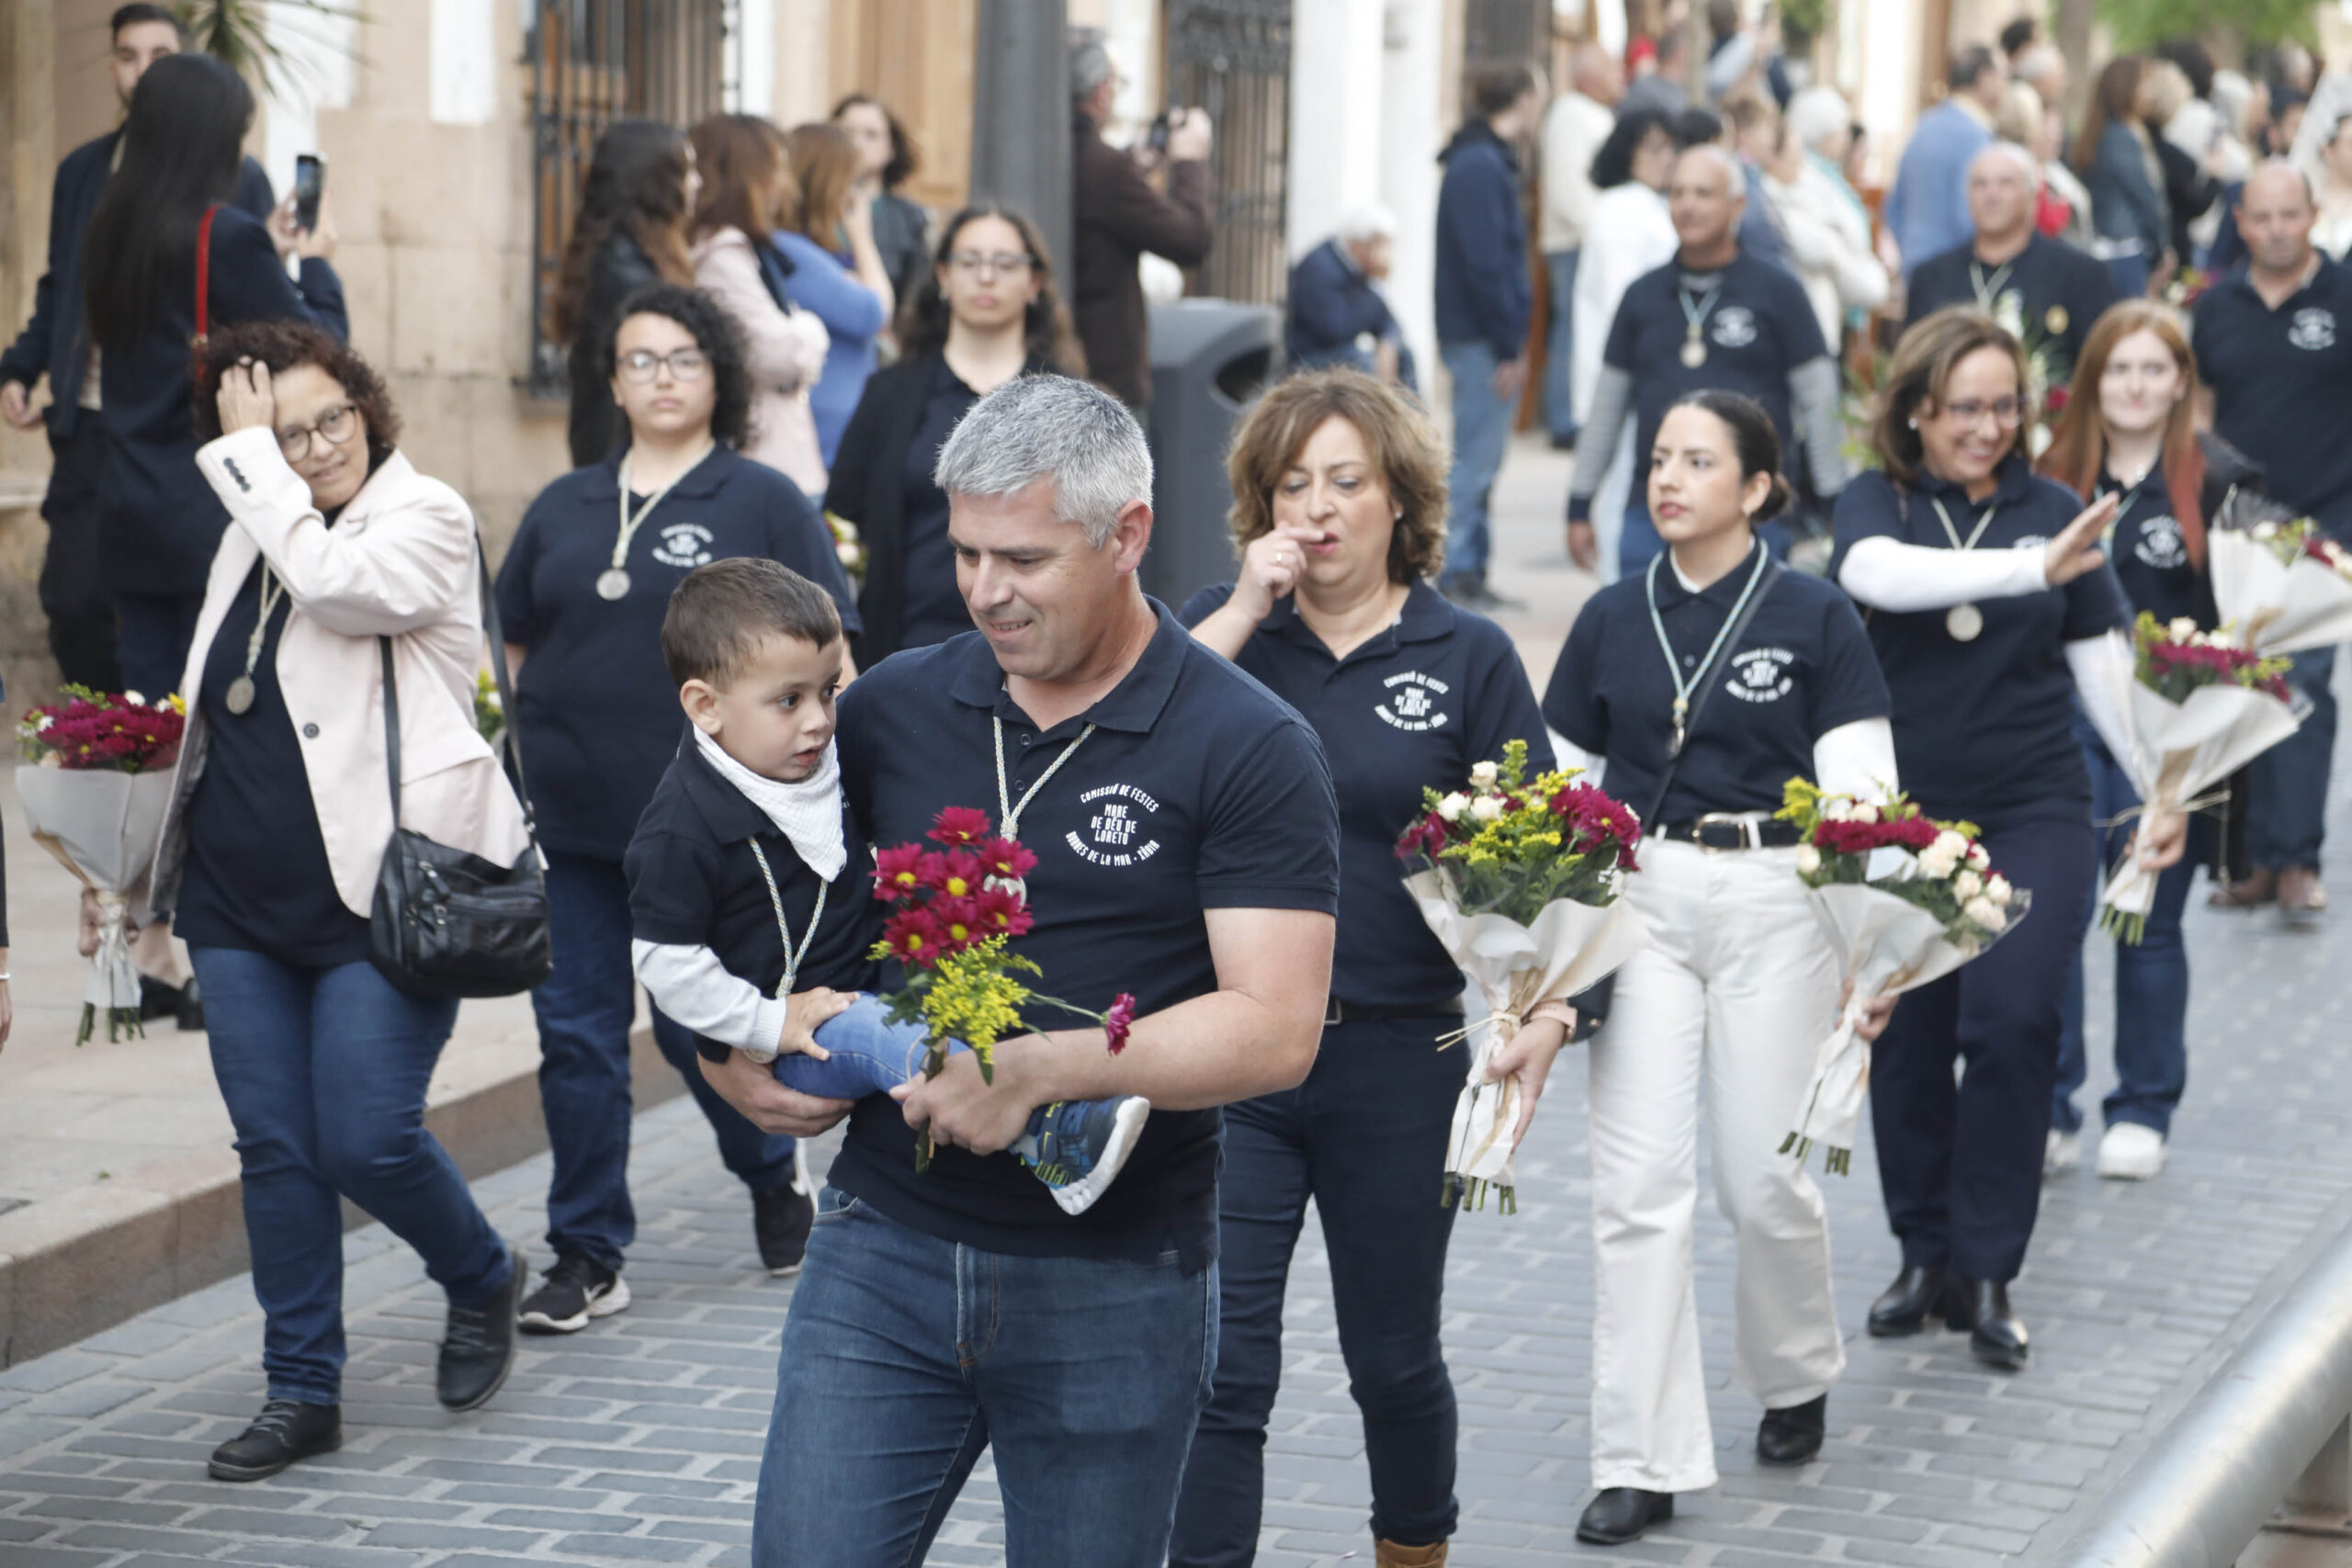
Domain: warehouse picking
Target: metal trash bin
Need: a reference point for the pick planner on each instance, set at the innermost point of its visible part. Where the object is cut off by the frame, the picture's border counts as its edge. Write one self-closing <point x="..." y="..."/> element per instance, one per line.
<point x="1209" y="357"/>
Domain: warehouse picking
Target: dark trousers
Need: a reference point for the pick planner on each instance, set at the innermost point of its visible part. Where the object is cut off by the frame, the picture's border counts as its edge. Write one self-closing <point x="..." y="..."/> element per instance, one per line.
<point x="156" y="630"/>
<point x="1960" y="1163"/>
<point x="2286" y="821"/>
<point x="1365" y="1137"/>
<point x="584" y="1010"/>
<point x="324" y="1072"/>
<point x="72" y="584"/>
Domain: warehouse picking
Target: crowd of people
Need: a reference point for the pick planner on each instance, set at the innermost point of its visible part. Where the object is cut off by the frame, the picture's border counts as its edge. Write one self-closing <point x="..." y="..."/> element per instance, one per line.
<point x="717" y="724"/>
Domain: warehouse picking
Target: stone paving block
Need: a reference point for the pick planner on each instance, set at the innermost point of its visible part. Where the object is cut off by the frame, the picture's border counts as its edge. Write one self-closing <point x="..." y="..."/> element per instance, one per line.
<point x="630" y="1548"/>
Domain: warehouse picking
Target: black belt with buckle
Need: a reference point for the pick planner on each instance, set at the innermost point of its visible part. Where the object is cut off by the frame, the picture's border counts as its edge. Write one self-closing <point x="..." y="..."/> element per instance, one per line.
<point x="1728" y="830"/>
<point x="1335" y="1012"/>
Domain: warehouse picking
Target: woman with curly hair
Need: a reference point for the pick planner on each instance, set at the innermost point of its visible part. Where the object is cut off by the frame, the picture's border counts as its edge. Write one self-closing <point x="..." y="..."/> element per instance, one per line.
<point x="581" y="595"/>
<point x="630" y="232"/>
<point x="987" y="312"/>
<point x="280" y="809"/>
<point x="1339" y="512"/>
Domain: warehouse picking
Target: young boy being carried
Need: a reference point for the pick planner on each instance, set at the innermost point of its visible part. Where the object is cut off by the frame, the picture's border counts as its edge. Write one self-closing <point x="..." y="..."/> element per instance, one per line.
<point x="751" y="897"/>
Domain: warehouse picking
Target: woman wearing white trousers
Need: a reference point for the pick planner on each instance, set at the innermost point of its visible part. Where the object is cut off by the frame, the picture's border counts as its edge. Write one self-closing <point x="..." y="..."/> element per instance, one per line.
<point x="1701" y="686"/>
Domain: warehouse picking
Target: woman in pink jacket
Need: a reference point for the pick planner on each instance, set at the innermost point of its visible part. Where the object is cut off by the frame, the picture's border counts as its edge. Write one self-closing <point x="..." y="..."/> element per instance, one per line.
<point x="281" y="810"/>
<point x="746" y="181"/>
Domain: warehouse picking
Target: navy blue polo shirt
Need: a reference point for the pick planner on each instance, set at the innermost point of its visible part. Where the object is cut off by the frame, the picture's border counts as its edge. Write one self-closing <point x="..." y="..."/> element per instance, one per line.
<point x="1198" y="790"/>
<point x="1411" y="708"/>
<point x="1984" y="729"/>
<point x="2151" y="555"/>
<point x="2051" y="290"/>
<point x="2278" y="380"/>
<point x="1759" y="328"/>
<point x="1802" y="668"/>
<point x="596" y="710"/>
<point x="933" y="607"/>
<point x="694" y="882"/>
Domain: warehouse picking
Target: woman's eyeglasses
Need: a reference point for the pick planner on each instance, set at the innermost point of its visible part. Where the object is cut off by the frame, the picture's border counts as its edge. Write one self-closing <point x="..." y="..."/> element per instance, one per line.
<point x="642" y="365"/>
<point x="336" y="425"/>
<point x="1003" y="262"/>
<point x="2006" y="412"/>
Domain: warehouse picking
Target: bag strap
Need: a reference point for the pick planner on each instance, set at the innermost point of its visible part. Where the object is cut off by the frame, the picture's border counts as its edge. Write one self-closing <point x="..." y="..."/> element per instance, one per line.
<point x="1707" y="686"/>
<point x="495" y="634"/>
<point x="204" y="276"/>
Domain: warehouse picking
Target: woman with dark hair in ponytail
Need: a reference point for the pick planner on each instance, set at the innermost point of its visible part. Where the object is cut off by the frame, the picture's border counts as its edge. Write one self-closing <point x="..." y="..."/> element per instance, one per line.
<point x="171" y="195"/>
<point x="630" y="232"/>
<point x="1695" y="690"/>
<point x="987" y="312"/>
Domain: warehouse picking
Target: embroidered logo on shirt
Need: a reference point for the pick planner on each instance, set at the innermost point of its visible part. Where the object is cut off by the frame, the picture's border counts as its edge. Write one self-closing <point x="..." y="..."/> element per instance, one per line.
<point x="684" y="544"/>
<point x="1735" y="326"/>
<point x="1412" y="701"/>
<point x="1761" y="675"/>
<point x="2313" y="329"/>
<point x="2161" y="544"/>
<point x="1113" y="825"/>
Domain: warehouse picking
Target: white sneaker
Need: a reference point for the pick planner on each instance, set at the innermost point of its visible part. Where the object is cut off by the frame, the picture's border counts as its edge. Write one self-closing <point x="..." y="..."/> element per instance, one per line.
<point x="2130" y="1152"/>
<point x="2061" y="1153"/>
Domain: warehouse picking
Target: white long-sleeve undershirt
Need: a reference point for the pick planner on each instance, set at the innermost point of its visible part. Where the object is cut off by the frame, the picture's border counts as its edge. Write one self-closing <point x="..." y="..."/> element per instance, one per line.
<point x="1887" y="574"/>
<point x="1855" y="759"/>
<point x="693" y="987"/>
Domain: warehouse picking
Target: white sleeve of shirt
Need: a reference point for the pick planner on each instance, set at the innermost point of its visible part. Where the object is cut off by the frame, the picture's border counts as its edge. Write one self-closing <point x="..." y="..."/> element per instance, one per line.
<point x="1858" y="758"/>
<point x="1568" y="754"/>
<point x="2102" y="668"/>
<point x="1889" y="575"/>
<point x="692" y="986"/>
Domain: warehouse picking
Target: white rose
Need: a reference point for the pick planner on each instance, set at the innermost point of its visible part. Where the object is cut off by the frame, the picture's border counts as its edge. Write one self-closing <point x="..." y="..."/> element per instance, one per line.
<point x="1808" y="860"/>
<point x="1937" y="862"/>
<point x="134" y="699"/>
<point x="1865" y="813"/>
<point x="41" y="721"/>
<point x="2182" y="630"/>
<point x="1967" y="885"/>
<point x="1977" y="859"/>
<point x="1486" y="775"/>
<point x="1984" y="913"/>
<point x="1453" y="805"/>
<point x="1996" y="889"/>
<point x="1837" y="808"/>
<point x="1952" y="844"/>
<point x="2266" y="530"/>
<point x="1487" y="808"/>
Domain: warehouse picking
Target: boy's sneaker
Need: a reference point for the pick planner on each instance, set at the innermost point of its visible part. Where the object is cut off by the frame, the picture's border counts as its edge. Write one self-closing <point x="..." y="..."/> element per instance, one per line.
<point x="1078" y="1146"/>
<point x="577" y="1289"/>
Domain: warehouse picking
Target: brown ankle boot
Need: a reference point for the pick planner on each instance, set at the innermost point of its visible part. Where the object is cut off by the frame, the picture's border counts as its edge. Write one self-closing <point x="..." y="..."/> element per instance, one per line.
<point x="1388" y="1554"/>
<point x="2257" y="888"/>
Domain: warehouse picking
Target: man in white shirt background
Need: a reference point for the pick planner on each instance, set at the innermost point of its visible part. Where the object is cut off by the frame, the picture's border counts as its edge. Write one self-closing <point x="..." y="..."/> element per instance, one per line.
<point x="1574" y="128"/>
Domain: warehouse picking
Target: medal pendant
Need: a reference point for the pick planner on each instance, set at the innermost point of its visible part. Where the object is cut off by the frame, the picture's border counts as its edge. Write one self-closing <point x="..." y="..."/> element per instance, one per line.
<point x="1694" y="353"/>
<point x="1965" y="621"/>
<point x="241" y="694"/>
<point x="612" y="583"/>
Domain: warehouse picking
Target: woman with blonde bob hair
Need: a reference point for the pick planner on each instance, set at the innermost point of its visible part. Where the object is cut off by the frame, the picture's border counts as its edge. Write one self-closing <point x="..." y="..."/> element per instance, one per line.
<point x="1338" y="514"/>
<point x="2130" y="431"/>
<point x="1992" y="610"/>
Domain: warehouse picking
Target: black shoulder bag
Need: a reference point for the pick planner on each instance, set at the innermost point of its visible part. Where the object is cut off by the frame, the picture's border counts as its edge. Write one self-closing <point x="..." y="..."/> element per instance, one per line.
<point x="447" y="922"/>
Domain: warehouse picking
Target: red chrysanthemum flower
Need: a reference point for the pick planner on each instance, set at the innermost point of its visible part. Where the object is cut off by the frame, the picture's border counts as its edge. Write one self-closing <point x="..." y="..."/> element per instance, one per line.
<point x="913" y="936"/>
<point x="1119" y="1022"/>
<point x="1007" y="858"/>
<point x="897" y="872"/>
<point x="959" y="924"/>
<point x="956" y="874"/>
<point x="959" y="826"/>
<point x="1001" y="912"/>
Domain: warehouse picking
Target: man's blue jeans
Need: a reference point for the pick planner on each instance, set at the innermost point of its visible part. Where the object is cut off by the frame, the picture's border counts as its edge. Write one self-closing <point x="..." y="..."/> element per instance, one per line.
<point x="2286" y="821"/>
<point x="1481" y="431"/>
<point x="1559" y="410"/>
<point x="905" y="1355"/>
<point x="324" y="1072"/>
<point x="584" y="1010"/>
<point x="2151" y="979"/>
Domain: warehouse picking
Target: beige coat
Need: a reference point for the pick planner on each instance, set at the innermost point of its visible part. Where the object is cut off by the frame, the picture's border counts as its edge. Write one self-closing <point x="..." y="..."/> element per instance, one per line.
<point x="398" y="563"/>
<point x="786" y="354"/>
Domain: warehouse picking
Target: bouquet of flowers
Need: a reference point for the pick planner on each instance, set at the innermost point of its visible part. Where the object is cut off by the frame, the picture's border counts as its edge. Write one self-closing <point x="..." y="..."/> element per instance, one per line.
<point x="94" y="784"/>
<point x="957" y="904"/>
<point x="2200" y="707"/>
<point x="1521" y="880"/>
<point x="2280" y="583"/>
<point x="1907" y="900"/>
<point x="490" y="709"/>
<point x="849" y="546"/>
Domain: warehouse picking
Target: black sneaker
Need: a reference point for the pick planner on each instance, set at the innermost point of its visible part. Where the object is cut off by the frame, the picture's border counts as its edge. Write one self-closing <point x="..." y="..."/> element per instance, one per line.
<point x="577" y="1289"/>
<point x="480" y="1349"/>
<point x="781" y="1220"/>
<point x="285" y="1431"/>
<point x="1076" y="1147"/>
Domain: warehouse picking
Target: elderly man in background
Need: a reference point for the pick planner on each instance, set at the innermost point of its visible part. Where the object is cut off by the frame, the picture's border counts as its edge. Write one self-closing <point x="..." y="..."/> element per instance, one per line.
<point x="1927" y="208"/>
<point x="1337" y="313"/>
<point x="1574" y="127"/>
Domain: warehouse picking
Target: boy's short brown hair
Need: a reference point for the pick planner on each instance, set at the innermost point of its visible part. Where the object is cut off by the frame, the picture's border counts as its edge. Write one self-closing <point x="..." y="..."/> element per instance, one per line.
<point x="721" y="611"/>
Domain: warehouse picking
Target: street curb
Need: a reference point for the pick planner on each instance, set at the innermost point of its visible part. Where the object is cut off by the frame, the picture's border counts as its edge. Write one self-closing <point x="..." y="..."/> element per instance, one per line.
<point x="72" y="1268"/>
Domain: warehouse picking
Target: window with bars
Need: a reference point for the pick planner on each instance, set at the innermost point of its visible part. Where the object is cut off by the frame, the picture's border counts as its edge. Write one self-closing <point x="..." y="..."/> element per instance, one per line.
<point x="594" y="62"/>
<point x="1232" y="58"/>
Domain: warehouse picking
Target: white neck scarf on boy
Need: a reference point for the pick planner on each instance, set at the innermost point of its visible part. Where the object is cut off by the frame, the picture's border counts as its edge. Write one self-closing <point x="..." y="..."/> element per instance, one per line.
<point x="808" y="813"/>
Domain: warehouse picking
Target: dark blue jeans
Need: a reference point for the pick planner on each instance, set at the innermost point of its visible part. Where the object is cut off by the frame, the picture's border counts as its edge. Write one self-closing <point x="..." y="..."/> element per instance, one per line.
<point x="324" y="1072"/>
<point x="2286" y="821"/>
<point x="1365" y="1137"/>
<point x="1960" y="1164"/>
<point x="584" y="1010"/>
<point x="905" y="1355"/>
<point x="1481" y="434"/>
<point x="2151" y="979"/>
<point x="1559" y="340"/>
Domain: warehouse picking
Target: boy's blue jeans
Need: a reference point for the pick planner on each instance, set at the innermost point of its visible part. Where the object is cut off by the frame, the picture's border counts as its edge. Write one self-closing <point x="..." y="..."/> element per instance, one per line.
<point x="870" y="1055"/>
